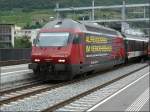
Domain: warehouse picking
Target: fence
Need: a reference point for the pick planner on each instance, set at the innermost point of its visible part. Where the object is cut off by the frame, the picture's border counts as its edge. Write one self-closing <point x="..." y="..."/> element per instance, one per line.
<point x="15" y="54"/>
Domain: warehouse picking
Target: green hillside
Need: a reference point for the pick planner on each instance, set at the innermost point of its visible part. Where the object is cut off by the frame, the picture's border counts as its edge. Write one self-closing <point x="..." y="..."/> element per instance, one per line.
<point x="23" y="18"/>
<point x="27" y="12"/>
<point x="50" y="4"/>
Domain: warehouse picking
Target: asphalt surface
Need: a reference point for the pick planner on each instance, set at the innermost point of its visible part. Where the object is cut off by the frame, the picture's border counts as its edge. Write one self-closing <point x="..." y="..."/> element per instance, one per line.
<point x="128" y="98"/>
<point x="13" y="68"/>
<point x="11" y="76"/>
<point x="145" y="107"/>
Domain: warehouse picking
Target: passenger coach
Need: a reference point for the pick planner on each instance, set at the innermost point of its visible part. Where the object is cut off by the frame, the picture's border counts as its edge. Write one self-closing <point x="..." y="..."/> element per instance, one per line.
<point x="136" y="46"/>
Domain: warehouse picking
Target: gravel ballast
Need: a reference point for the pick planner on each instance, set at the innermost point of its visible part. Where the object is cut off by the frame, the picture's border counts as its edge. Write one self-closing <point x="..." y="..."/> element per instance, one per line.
<point x="46" y="99"/>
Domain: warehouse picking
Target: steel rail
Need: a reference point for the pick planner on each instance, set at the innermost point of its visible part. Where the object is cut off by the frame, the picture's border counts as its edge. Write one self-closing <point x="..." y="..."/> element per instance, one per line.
<point x="63" y="103"/>
<point x="48" y="88"/>
<point x="25" y="86"/>
<point x="28" y="94"/>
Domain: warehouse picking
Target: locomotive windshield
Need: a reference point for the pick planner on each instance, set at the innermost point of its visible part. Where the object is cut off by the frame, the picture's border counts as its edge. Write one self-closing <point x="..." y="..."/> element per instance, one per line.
<point x="52" y="39"/>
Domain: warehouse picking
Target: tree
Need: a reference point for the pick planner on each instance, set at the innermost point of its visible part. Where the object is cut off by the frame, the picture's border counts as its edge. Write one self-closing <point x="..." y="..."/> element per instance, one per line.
<point x="22" y="42"/>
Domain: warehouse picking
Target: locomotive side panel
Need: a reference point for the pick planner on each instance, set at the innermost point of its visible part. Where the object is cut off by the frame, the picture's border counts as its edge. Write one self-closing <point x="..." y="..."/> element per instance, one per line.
<point x="97" y="48"/>
<point x="102" y="51"/>
<point x="118" y="52"/>
<point x="76" y="55"/>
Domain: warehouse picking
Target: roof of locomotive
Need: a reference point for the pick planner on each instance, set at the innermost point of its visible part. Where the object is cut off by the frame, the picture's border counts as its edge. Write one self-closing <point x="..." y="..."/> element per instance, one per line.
<point x="64" y="23"/>
<point x="82" y="26"/>
<point x="97" y="26"/>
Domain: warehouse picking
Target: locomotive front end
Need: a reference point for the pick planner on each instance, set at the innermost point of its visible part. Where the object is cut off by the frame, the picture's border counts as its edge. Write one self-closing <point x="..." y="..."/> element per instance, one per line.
<point x="50" y="53"/>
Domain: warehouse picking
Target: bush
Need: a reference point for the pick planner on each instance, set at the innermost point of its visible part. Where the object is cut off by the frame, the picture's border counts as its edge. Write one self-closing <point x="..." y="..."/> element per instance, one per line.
<point x="22" y="42"/>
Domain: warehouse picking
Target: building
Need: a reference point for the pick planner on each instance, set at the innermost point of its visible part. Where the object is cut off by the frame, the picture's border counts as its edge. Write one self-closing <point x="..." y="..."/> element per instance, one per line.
<point x="7" y="35"/>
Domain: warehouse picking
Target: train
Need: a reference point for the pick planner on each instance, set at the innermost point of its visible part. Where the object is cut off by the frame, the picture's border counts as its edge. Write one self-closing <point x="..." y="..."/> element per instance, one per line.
<point x="136" y="45"/>
<point x="148" y="50"/>
<point x="65" y="48"/>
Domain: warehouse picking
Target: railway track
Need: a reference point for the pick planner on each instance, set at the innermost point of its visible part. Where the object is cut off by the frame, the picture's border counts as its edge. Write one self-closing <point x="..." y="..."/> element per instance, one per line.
<point x="26" y="85"/>
<point x="68" y="101"/>
<point x="12" y="95"/>
<point x="30" y="89"/>
<point x="21" y="93"/>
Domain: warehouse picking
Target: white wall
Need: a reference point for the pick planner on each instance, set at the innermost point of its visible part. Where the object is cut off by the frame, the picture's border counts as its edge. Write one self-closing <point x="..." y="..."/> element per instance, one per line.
<point x="12" y="35"/>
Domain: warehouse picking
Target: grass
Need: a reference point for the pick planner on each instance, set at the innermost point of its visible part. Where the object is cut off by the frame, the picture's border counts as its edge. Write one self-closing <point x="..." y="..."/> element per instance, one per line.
<point x="22" y="18"/>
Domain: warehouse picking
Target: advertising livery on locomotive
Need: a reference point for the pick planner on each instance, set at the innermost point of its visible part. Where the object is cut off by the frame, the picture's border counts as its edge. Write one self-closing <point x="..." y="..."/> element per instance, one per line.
<point x="65" y="48"/>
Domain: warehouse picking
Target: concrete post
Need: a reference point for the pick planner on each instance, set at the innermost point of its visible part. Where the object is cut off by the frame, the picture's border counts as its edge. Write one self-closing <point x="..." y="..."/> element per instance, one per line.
<point x="144" y="12"/>
<point x="124" y="11"/>
<point x="57" y="12"/>
<point x="12" y="35"/>
<point x="123" y="16"/>
<point x="93" y="11"/>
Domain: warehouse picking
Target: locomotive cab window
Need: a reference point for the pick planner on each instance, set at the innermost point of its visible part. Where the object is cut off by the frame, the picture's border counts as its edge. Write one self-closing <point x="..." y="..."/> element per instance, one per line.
<point x="52" y="39"/>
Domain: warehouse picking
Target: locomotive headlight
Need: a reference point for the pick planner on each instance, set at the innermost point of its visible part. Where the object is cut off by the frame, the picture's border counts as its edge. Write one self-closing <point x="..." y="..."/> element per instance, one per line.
<point x="61" y="60"/>
<point x="37" y="60"/>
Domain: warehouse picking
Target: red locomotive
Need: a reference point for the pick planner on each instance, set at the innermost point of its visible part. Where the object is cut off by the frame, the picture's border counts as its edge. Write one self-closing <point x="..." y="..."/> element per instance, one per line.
<point x="65" y="48"/>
